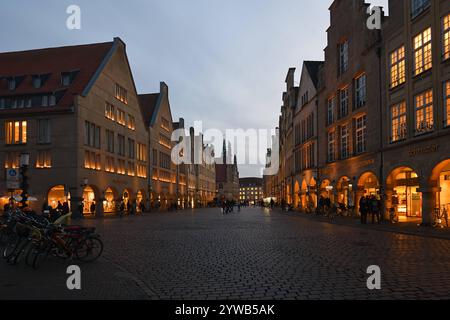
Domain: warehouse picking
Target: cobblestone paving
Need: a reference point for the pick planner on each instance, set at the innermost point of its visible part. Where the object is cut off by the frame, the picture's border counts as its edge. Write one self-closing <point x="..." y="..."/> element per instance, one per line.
<point x="251" y="255"/>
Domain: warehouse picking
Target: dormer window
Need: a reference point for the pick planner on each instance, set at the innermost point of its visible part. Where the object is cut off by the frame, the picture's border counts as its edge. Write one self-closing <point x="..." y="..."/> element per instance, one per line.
<point x="12" y="84"/>
<point x="67" y="78"/>
<point x="37" y="82"/>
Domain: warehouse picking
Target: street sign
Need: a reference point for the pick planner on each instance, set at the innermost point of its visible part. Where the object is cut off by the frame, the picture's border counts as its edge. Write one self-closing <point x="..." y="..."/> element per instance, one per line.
<point x="12" y="179"/>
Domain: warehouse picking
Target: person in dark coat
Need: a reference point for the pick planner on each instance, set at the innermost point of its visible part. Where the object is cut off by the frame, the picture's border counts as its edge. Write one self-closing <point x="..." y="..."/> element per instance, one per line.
<point x="363" y="209"/>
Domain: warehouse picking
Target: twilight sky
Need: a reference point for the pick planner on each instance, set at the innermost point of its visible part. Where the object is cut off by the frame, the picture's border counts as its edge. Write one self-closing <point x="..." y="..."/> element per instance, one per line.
<point x="224" y="61"/>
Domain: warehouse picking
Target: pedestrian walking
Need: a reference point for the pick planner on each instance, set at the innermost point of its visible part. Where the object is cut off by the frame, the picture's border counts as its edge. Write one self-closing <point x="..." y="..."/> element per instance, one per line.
<point x="363" y="209"/>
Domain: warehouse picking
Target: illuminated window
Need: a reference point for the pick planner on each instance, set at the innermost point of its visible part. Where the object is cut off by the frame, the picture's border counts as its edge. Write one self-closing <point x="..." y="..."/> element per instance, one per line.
<point x="43" y="160"/>
<point x="110" y="164"/>
<point x="423" y="59"/>
<point x="92" y="160"/>
<point x="361" y="134"/>
<point x="121" y="94"/>
<point x="15" y="132"/>
<point x="447" y="102"/>
<point x="165" y="124"/>
<point x="398" y="122"/>
<point x="398" y="67"/>
<point x="141" y="152"/>
<point x="345" y="146"/>
<point x="131" y="122"/>
<point x="109" y="111"/>
<point x="343" y="57"/>
<point x="165" y="141"/>
<point x="360" y="91"/>
<point x="12" y="160"/>
<point x="121" y="117"/>
<point x="131" y="169"/>
<point x="446" y="37"/>
<point x="121" y="167"/>
<point x="331" y="146"/>
<point x="343" y="103"/>
<point x="423" y="105"/>
<point x="141" y="171"/>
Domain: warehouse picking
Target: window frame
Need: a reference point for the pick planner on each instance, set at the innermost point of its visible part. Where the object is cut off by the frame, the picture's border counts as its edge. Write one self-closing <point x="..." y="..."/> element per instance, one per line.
<point x="423" y="108"/>
<point x="401" y="122"/>
<point x="399" y="66"/>
<point x="422" y="49"/>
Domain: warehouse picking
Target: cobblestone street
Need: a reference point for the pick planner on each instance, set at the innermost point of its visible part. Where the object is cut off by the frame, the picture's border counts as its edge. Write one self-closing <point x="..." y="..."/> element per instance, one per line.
<point x="251" y="255"/>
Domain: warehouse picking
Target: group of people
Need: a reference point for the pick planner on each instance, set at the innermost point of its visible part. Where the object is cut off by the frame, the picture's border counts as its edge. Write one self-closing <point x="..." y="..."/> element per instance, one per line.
<point x="228" y="206"/>
<point x="371" y="205"/>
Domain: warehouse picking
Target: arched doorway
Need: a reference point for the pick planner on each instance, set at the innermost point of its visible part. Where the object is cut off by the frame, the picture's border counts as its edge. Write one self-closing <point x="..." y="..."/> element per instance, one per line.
<point x="126" y="198"/>
<point x="368" y="184"/>
<point x="109" y="204"/>
<point x="440" y="177"/>
<point x="58" y="194"/>
<point x="312" y="193"/>
<point x="405" y="199"/>
<point x="344" y="191"/>
<point x="304" y="197"/>
<point x="89" y="201"/>
<point x="326" y="189"/>
<point x="140" y="199"/>
<point x="288" y="194"/>
<point x="296" y="195"/>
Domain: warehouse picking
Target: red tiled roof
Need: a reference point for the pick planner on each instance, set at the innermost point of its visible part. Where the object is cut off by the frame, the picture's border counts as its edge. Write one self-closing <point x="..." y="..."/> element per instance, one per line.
<point x="148" y="102"/>
<point x="86" y="59"/>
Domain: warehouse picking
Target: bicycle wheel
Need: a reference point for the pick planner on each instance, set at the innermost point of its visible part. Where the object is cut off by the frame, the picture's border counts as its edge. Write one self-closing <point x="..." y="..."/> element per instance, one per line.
<point x="19" y="252"/>
<point x="11" y="247"/>
<point x="90" y="249"/>
<point x="40" y="256"/>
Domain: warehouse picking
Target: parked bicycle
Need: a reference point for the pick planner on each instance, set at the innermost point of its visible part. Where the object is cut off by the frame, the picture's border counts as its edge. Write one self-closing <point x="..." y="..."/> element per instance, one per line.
<point x="440" y="217"/>
<point x="30" y="237"/>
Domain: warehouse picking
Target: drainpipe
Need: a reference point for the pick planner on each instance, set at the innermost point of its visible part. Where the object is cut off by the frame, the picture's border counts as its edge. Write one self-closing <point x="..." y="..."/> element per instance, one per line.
<point x="380" y="83"/>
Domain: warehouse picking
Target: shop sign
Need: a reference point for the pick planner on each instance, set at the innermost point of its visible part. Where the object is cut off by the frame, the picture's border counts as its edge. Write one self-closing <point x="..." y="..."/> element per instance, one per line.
<point x="12" y="179"/>
<point x="423" y="150"/>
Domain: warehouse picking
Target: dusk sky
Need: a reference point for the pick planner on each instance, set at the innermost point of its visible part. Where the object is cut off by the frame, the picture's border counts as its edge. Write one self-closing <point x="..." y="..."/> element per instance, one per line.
<point x="224" y="61"/>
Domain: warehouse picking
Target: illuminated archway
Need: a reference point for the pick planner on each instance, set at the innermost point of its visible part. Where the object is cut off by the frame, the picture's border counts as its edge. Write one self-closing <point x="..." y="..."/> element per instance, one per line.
<point x="109" y="203"/>
<point x="313" y="192"/>
<point x="57" y="194"/>
<point x="89" y="200"/>
<point x="404" y="183"/>
<point x="440" y="177"/>
<point x="296" y="194"/>
<point x="343" y="191"/>
<point x="304" y="192"/>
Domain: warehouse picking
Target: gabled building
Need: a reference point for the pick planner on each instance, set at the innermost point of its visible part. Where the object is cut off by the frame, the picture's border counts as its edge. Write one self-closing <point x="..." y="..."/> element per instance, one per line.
<point x="286" y="127"/>
<point x="306" y="133"/>
<point x="416" y="108"/>
<point x="163" y="172"/>
<point x="75" y="111"/>
<point x="350" y="106"/>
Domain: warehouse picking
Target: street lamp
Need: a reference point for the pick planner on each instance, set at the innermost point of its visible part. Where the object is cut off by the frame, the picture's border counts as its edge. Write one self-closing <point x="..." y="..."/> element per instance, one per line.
<point x="24" y="163"/>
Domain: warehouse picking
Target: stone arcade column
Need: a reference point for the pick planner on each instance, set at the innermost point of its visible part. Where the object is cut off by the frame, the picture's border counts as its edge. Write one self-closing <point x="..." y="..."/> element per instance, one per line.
<point x="429" y="196"/>
<point x="99" y="210"/>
